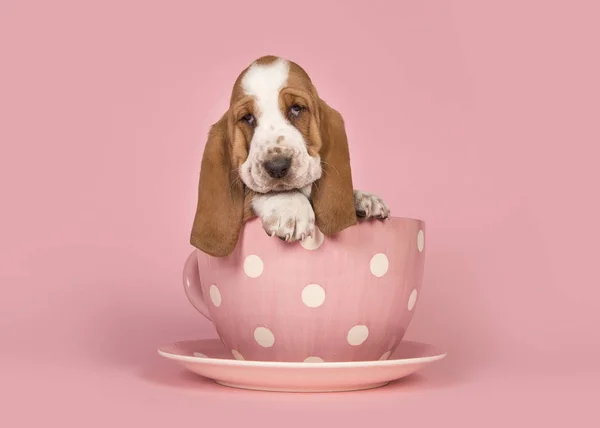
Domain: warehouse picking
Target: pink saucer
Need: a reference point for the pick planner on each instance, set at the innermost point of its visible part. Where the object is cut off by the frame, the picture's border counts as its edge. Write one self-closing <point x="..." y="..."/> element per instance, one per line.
<point x="210" y="358"/>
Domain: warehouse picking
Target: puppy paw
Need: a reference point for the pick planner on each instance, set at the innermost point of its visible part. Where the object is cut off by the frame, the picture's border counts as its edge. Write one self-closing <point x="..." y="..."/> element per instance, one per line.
<point x="289" y="216"/>
<point x="368" y="205"/>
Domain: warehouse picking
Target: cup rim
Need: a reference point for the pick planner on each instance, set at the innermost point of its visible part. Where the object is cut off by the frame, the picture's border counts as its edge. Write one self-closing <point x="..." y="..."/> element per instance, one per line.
<point x="361" y="221"/>
<point x="411" y="219"/>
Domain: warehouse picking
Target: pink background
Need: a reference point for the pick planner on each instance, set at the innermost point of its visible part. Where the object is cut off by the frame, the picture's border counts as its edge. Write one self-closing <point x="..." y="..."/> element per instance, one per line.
<point x="479" y="117"/>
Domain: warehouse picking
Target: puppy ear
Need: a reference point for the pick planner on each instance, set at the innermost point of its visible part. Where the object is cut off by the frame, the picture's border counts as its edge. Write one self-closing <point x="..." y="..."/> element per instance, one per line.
<point x="333" y="194"/>
<point x="220" y="206"/>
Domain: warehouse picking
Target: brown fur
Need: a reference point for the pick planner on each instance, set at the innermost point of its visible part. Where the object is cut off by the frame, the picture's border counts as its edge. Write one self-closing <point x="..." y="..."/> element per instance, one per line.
<point x="224" y="203"/>
<point x="220" y="207"/>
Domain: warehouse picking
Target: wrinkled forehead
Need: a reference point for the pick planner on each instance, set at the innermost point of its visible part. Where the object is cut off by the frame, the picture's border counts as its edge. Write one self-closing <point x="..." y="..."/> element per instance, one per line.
<point x="266" y="77"/>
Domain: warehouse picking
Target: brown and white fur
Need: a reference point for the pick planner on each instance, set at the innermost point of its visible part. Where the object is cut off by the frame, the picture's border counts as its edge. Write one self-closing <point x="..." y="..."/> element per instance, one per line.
<point x="279" y="153"/>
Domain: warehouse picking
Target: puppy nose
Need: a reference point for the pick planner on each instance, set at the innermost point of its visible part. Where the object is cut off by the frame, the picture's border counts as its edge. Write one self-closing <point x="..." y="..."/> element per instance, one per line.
<point x="277" y="167"/>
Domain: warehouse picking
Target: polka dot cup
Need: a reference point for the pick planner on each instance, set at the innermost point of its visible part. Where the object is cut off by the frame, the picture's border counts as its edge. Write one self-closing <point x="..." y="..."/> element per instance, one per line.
<point x="346" y="298"/>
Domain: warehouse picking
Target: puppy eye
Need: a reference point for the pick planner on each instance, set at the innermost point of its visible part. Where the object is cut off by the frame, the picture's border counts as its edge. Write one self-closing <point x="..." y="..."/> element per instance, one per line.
<point x="295" y="110"/>
<point x="249" y="119"/>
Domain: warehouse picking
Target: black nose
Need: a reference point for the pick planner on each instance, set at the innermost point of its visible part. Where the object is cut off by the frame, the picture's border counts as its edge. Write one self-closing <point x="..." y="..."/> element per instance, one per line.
<point x="277" y="167"/>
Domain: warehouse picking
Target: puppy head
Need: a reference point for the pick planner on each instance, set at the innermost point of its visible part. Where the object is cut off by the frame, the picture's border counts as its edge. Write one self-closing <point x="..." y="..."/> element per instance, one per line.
<point x="274" y="104"/>
<point x="277" y="135"/>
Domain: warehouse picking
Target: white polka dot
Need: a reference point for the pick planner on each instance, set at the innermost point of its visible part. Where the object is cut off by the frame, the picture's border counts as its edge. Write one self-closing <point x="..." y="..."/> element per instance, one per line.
<point x="253" y="266"/>
<point x="215" y="295"/>
<point x="379" y="265"/>
<point x="237" y="355"/>
<point x="412" y="299"/>
<point x="385" y="356"/>
<point x="420" y="241"/>
<point x="314" y="360"/>
<point x="200" y="355"/>
<point x="315" y="241"/>
<point x="313" y="295"/>
<point x="264" y="337"/>
<point x="357" y="335"/>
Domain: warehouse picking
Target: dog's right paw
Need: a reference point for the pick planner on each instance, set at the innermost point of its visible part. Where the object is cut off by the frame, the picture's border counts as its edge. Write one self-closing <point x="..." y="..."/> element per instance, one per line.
<point x="288" y="216"/>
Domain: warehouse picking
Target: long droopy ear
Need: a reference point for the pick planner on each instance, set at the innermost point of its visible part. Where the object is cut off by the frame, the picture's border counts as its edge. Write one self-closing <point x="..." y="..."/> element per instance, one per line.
<point x="220" y="206"/>
<point x="333" y="194"/>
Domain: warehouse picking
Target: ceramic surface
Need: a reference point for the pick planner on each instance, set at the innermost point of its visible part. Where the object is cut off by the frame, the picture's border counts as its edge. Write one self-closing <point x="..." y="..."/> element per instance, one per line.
<point x="346" y="298"/>
<point x="211" y="359"/>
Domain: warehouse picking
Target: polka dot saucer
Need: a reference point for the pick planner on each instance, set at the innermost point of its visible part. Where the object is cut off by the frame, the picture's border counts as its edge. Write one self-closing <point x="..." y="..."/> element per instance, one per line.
<point x="209" y="358"/>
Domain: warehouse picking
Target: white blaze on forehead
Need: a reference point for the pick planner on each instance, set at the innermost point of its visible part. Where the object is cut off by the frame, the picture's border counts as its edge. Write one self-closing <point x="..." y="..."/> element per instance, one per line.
<point x="264" y="82"/>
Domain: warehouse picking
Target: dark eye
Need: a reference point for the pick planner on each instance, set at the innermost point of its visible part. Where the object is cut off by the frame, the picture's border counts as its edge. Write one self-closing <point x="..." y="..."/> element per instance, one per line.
<point x="249" y="119"/>
<point x="295" y="110"/>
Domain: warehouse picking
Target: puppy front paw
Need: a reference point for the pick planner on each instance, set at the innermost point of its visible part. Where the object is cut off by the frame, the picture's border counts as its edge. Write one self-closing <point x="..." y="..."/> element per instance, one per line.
<point x="287" y="216"/>
<point x="368" y="205"/>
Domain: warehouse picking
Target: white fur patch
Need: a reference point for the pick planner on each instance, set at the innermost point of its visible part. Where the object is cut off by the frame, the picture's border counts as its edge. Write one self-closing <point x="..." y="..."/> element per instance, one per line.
<point x="263" y="83"/>
<point x="288" y="215"/>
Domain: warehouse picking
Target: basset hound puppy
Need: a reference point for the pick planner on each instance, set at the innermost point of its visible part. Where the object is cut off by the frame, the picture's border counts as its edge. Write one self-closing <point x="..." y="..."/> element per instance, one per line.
<point x="280" y="153"/>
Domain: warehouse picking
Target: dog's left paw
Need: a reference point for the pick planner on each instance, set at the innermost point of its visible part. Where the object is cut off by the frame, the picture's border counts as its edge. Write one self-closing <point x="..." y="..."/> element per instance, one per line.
<point x="368" y="205"/>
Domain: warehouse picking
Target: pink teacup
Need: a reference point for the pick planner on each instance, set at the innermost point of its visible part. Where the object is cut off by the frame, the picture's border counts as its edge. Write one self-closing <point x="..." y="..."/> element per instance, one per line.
<point x="349" y="297"/>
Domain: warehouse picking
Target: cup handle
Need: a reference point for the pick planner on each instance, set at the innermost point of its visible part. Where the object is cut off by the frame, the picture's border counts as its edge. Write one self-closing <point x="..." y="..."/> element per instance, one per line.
<point x="191" y="285"/>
